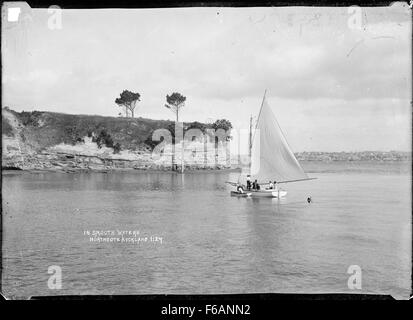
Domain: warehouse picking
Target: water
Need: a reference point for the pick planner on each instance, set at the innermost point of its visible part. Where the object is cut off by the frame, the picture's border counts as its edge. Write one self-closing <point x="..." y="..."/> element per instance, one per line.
<point x="211" y="243"/>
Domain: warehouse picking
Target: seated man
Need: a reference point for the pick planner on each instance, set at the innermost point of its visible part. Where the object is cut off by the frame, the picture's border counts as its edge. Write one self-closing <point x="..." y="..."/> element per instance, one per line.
<point x="271" y="186"/>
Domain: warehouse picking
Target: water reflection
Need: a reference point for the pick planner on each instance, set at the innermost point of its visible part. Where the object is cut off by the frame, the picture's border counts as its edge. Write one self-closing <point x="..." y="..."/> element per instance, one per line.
<point x="213" y="243"/>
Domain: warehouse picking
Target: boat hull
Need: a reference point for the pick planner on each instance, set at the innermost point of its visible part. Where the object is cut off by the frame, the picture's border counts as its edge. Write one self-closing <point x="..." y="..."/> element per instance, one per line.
<point x="268" y="193"/>
<point x="238" y="194"/>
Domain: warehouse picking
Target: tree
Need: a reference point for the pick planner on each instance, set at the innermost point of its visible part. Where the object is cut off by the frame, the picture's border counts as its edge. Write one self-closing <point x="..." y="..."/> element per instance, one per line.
<point x="128" y="100"/>
<point x="103" y="138"/>
<point x="175" y="102"/>
<point x="222" y="124"/>
<point x="225" y="125"/>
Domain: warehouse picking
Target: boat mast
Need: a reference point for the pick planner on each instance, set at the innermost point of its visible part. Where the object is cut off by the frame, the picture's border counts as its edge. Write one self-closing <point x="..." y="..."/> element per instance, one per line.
<point x="182" y="142"/>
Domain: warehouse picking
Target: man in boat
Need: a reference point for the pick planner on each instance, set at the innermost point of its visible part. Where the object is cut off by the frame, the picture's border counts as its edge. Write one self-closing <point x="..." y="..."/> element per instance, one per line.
<point x="248" y="182"/>
<point x="254" y="185"/>
<point x="275" y="185"/>
<point x="271" y="185"/>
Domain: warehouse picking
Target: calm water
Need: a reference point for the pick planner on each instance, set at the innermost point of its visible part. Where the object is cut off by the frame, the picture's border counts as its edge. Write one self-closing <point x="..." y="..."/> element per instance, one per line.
<point x="211" y="242"/>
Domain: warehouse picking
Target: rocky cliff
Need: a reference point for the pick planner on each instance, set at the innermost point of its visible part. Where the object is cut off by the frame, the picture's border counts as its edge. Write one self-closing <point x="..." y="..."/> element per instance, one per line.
<point x="54" y="141"/>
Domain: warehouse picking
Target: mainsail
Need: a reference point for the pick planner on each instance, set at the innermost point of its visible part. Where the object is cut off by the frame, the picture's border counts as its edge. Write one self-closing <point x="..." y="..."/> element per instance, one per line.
<point x="271" y="157"/>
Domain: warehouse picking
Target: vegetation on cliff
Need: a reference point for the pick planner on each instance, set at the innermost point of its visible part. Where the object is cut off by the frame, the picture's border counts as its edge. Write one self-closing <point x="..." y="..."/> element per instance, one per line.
<point x="45" y="129"/>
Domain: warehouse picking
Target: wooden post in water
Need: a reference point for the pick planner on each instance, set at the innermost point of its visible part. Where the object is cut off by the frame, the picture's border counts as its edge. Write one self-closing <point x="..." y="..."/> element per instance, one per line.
<point x="239" y="148"/>
<point x="181" y="142"/>
<point x="182" y="151"/>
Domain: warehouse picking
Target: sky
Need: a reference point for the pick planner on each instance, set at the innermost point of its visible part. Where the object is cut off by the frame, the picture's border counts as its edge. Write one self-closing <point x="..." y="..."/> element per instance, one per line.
<point x="337" y="79"/>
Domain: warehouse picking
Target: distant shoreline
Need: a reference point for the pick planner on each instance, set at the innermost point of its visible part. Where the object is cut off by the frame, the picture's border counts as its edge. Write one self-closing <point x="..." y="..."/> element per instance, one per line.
<point x="354" y="156"/>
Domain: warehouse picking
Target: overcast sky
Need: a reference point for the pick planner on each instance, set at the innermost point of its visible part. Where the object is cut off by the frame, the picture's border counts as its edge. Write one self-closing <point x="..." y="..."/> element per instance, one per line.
<point x="331" y="87"/>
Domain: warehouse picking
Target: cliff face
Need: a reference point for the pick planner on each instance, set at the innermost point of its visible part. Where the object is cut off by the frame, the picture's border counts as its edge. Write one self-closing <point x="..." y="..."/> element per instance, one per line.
<point x="53" y="141"/>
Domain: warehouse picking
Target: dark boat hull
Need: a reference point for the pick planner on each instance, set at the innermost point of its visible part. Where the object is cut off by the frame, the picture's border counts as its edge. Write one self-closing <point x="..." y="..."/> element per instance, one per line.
<point x="239" y="194"/>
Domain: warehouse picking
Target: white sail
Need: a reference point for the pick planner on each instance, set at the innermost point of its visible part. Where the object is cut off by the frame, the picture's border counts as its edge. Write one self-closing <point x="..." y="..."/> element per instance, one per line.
<point x="271" y="157"/>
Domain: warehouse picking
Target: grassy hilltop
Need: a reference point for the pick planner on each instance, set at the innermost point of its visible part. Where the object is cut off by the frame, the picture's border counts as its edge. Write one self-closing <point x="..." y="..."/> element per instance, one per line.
<point x="41" y="129"/>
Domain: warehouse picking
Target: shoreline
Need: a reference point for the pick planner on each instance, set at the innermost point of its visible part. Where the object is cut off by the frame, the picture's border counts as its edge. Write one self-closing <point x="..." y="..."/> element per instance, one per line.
<point x="115" y="170"/>
<point x="311" y="166"/>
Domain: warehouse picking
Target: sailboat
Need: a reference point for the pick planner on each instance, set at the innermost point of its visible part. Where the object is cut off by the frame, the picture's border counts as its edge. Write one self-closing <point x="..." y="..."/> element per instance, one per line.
<point x="271" y="158"/>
